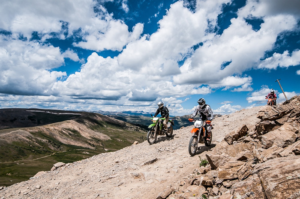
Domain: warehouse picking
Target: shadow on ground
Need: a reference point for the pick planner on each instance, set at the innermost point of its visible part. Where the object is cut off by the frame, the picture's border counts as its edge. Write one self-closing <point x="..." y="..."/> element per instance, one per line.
<point x="164" y="138"/>
<point x="204" y="148"/>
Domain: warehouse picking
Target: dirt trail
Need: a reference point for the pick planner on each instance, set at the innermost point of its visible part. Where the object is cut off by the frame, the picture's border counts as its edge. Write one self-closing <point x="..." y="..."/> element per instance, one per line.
<point x="121" y="174"/>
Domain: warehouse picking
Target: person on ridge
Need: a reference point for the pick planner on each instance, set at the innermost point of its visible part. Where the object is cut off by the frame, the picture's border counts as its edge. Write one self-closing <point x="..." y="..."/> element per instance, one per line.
<point x="272" y="95"/>
<point x="204" y="112"/>
<point x="164" y="112"/>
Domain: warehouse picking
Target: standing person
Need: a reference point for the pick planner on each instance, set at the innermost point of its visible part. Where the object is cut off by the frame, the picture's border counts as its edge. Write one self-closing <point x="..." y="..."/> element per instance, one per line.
<point x="204" y="112"/>
<point x="272" y="95"/>
<point x="164" y="112"/>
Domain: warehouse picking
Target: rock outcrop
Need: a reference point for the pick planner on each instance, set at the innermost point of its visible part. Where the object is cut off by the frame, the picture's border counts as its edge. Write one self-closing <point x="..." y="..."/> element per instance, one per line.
<point x="264" y="164"/>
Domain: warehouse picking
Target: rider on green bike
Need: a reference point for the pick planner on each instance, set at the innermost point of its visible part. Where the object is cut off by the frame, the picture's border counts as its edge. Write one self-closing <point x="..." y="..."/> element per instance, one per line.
<point x="164" y="112"/>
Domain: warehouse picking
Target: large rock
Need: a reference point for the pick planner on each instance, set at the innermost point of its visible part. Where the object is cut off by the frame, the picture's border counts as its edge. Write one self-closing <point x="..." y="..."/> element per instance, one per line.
<point x="281" y="137"/>
<point x="57" y="165"/>
<point x="245" y="171"/>
<point x="229" y="170"/>
<point x="217" y="160"/>
<point x="280" y="177"/>
<point x="293" y="149"/>
<point x="270" y="153"/>
<point x="235" y="135"/>
<point x="265" y="127"/>
<point x="250" y="188"/>
<point x="165" y="193"/>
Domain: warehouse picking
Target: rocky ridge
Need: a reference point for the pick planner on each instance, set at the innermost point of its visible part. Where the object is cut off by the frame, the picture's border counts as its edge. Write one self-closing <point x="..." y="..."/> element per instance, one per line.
<point x="261" y="163"/>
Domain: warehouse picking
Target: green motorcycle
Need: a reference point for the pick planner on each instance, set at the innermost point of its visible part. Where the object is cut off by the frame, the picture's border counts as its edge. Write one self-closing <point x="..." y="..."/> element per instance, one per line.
<point x="157" y="128"/>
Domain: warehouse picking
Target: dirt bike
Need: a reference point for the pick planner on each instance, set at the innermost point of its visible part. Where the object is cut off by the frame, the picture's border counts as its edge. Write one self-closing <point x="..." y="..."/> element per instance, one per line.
<point x="157" y="128"/>
<point x="271" y="101"/>
<point x="199" y="135"/>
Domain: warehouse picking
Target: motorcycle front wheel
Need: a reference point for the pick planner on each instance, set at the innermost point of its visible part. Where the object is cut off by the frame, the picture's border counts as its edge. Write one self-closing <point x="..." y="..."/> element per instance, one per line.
<point x="151" y="136"/>
<point x="193" y="146"/>
<point x="169" y="132"/>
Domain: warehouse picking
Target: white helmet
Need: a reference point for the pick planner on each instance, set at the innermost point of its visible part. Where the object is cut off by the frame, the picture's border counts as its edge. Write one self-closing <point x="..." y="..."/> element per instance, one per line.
<point x="201" y="102"/>
<point x="160" y="104"/>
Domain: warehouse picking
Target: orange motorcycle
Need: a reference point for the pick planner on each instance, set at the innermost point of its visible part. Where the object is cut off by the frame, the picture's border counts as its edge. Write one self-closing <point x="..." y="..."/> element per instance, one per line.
<point x="271" y="101"/>
<point x="200" y="135"/>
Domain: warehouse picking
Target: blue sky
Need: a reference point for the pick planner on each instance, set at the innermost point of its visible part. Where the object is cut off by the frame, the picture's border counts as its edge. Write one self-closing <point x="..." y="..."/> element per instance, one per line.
<point x="126" y="55"/>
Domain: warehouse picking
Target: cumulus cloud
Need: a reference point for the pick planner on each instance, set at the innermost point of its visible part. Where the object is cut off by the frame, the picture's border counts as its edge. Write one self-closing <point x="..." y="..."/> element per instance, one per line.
<point x="298" y="72"/>
<point x="99" y="30"/>
<point x="227" y="109"/>
<point x="25" y="67"/>
<point x="233" y="81"/>
<point x="227" y="102"/>
<point x="281" y="60"/>
<point x="236" y="44"/>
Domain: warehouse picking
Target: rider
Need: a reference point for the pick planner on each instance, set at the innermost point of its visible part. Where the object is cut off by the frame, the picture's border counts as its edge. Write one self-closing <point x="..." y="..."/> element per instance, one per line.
<point x="164" y="112"/>
<point x="272" y="95"/>
<point x="204" y="112"/>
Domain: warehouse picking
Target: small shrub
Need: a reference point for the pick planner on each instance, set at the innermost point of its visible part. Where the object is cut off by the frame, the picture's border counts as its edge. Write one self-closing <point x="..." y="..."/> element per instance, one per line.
<point x="204" y="196"/>
<point x="203" y="162"/>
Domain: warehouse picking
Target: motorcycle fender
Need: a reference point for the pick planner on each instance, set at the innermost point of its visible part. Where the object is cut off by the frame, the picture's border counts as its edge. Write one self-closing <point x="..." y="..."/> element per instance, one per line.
<point x="150" y="126"/>
<point x="195" y="131"/>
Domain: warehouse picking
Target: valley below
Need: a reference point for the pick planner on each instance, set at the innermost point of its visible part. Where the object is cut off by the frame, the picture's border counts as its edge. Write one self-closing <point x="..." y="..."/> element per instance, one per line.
<point x="32" y="140"/>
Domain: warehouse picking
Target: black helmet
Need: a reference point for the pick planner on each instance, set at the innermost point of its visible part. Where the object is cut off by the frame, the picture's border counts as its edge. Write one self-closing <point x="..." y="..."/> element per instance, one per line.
<point x="201" y="102"/>
<point x="160" y="104"/>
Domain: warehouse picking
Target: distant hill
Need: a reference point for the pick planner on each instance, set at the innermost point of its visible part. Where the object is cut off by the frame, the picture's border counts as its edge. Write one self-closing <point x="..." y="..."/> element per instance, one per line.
<point x="143" y="119"/>
<point x="34" y="139"/>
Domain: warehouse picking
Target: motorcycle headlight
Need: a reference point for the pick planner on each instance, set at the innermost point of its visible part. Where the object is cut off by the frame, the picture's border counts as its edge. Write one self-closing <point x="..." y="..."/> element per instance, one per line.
<point x="198" y="124"/>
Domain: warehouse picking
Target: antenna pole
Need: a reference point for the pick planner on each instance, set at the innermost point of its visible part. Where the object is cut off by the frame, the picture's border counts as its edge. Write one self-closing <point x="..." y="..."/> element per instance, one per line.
<point x="281" y="88"/>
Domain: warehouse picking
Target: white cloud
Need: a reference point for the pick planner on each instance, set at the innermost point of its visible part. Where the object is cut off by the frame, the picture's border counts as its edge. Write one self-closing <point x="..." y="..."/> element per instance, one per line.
<point x="125" y="6"/>
<point x="99" y="30"/>
<point x="233" y="81"/>
<point x="71" y="55"/>
<point x="270" y="8"/>
<point x="298" y="72"/>
<point x="227" y="102"/>
<point x="289" y="95"/>
<point x="281" y="60"/>
<point x="236" y="44"/>
<point x="227" y="109"/>
<point x="25" y="66"/>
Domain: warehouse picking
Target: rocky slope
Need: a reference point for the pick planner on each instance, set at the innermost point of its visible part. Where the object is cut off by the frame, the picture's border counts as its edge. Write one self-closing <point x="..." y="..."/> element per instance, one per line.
<point x="138" y="171"/>
<point x="261" y="162"/>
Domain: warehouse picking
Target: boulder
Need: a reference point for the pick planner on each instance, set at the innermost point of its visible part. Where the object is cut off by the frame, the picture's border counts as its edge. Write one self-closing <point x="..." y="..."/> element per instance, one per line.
<point x="250" y="188"/>
<point x="270" y="153"/>
<point x="57" y="165"/>
<point x="235" y="135"/>
<point x="243" y="156"/>
<point x="265" y="127"/>
<point x="165" y="193"/>
<point x="245" y="171"/>
<point x="206" y="181"/>
<point x="216" y="160"/>
<point x="280" y="177"/>
<point x="293" y="149"/>
<point x="229" y="170"/>
<point x="281" y="137"/>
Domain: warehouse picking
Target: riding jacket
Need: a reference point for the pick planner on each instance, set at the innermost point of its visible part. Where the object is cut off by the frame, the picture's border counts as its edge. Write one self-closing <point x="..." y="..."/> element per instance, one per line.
<point x="271" y="96"/>
<point x="164" y="112"/>
<point x="205" y="113"/>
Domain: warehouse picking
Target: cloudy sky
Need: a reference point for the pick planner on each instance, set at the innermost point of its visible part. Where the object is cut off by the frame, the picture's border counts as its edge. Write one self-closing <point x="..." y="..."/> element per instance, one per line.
<point x="126" y="55"/>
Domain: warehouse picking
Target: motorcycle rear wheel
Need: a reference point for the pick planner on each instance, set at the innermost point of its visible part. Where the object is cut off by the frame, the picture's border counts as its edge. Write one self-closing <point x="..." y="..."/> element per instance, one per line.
<point x="169" y="132"/>
<point x="193" y="146"/>
<point x="151" y="136"/>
